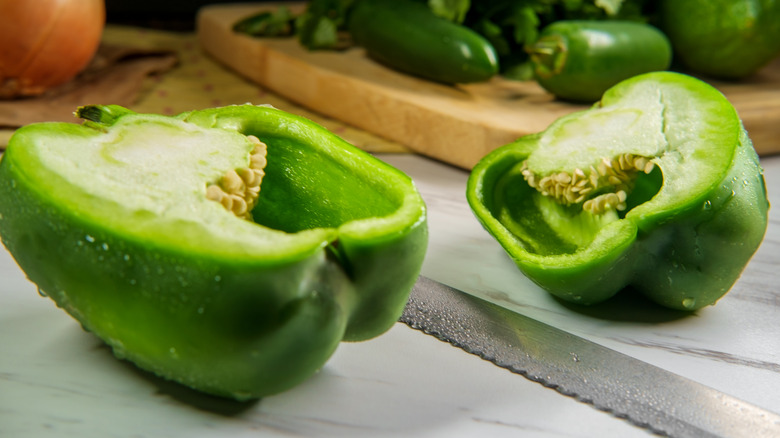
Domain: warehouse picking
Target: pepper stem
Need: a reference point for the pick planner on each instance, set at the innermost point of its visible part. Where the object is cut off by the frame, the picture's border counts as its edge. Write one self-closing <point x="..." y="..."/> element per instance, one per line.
<point x="101" y="115"/>
<point x="549" y="55"/>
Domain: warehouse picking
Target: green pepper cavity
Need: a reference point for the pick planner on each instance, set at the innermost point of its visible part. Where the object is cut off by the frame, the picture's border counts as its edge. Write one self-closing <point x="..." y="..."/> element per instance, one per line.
<point x="153" y="232"/>
<point x="655" y="188"/>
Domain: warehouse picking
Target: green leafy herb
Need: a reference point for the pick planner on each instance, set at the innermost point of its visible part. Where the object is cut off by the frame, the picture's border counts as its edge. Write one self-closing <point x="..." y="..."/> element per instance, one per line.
<point x="453" y="10"/>
<point x="276" y="23"/>
<point x="319" y="26"/>
<point x="611" y="7"/>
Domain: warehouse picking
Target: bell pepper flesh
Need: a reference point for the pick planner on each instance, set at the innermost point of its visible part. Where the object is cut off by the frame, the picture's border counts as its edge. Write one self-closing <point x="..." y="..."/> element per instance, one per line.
<point x="688" y="225"/>
<point x="110" y="220"/>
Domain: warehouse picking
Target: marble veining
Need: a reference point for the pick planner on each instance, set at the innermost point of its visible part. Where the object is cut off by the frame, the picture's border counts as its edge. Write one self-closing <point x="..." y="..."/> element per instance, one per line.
<point x="710" y="354"/>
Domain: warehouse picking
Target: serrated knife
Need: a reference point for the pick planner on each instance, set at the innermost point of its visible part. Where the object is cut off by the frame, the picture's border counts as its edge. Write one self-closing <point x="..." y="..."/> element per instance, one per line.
<point x="647" y="396"/>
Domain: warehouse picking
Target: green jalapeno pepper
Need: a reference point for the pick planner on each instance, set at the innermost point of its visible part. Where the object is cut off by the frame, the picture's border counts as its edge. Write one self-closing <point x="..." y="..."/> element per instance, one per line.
<point x="656" y="188"/>
<point x="228" y="249"/>
<point x="409" y="37"/>
<point x="579" y="60"/>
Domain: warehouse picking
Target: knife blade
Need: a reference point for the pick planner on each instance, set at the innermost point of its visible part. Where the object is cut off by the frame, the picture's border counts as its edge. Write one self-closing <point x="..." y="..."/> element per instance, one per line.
<point x="647" y="396"/>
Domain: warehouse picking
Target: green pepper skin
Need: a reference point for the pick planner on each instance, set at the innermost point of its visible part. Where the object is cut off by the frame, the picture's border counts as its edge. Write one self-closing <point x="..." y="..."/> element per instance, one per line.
<point x="722" y="39"/>
<point x="345" y="235"/>
<point x="406" y="36"/>
<point x="685" y="242"/>
<point x="579" y="60"/>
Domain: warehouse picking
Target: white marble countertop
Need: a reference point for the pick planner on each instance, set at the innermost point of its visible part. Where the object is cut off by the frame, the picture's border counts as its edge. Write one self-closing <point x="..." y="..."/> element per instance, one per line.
<point x="59" y="381"/>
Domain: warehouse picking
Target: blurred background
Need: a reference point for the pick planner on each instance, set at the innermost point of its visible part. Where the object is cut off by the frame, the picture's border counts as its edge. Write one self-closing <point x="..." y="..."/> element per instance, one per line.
<point x="160" y="14"/>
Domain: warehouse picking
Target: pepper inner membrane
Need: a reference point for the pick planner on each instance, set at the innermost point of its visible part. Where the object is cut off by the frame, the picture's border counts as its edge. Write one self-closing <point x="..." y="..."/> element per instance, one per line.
<point x="239" y="189"/>
<point x="602" y="187"/>
<point x="562" y="212"/>
<point x="301" y="189"/>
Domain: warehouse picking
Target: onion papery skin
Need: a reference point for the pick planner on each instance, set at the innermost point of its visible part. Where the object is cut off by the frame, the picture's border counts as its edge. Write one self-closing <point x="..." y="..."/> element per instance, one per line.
<point x="46" y="43"/>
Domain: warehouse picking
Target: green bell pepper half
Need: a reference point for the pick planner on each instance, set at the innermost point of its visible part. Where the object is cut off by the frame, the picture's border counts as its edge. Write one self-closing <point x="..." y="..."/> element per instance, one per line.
<point x="110" y="219"/>
<point x="693" y="207"/>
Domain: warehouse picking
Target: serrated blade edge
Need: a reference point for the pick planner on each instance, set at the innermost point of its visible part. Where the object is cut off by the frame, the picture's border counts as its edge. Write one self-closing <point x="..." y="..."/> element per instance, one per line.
<point x="645" y="395"/>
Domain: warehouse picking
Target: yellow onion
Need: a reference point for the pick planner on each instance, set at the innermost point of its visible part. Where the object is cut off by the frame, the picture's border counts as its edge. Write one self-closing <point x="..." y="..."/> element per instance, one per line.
<point x="45" y="43"/>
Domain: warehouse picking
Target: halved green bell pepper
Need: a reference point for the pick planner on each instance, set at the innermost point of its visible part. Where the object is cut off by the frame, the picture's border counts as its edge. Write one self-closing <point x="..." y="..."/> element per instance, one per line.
<point x="656" y="188"/>
<point x="113" y="220"/>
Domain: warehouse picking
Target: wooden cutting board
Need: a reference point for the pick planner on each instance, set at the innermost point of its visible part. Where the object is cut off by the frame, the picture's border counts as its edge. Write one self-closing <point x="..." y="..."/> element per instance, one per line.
<point x="455" y="124"/>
